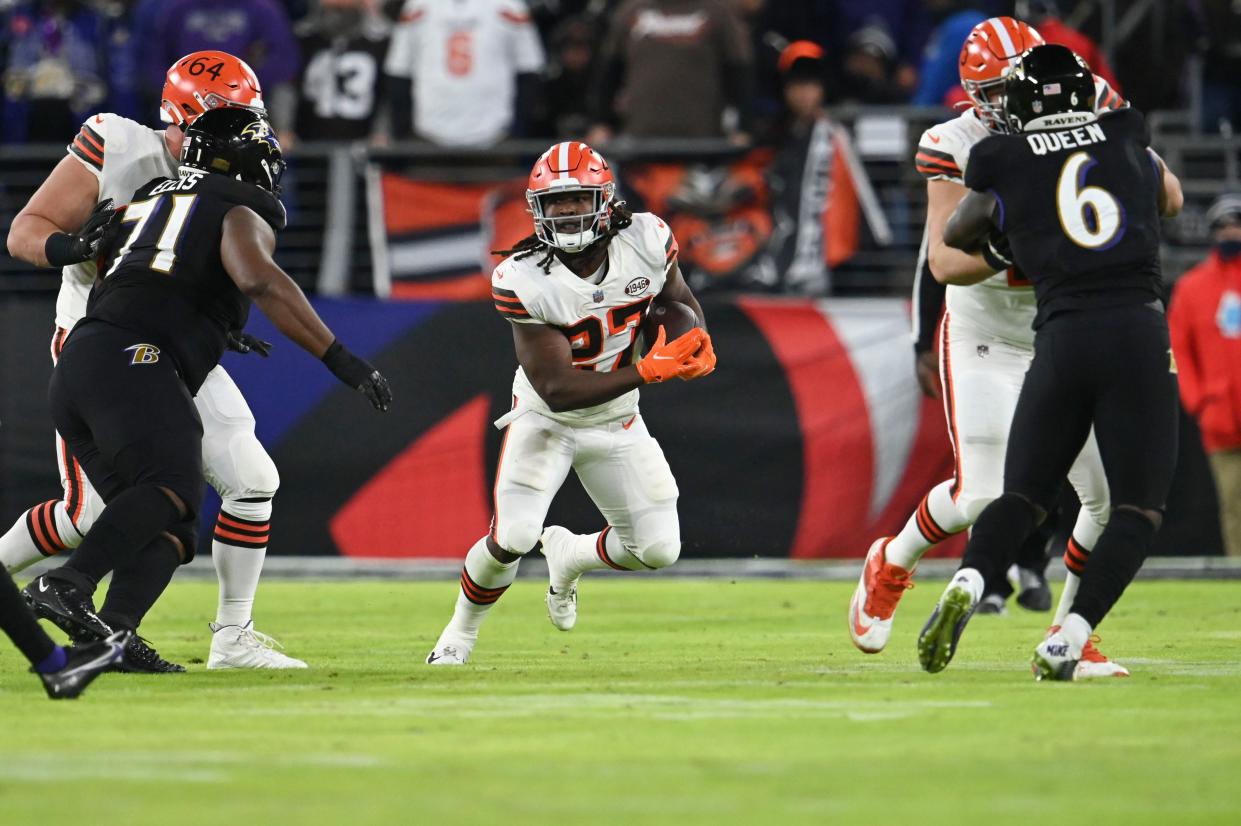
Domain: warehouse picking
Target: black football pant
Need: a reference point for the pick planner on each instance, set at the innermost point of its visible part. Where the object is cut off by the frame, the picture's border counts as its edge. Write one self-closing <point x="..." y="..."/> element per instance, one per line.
<point x="1110" y="368"/>
<point x="129" y="420"/>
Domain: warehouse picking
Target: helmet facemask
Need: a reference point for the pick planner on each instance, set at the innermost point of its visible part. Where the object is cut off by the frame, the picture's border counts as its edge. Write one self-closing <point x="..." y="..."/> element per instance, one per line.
<point x="990" y="111"/>
<point x="571" y="233"/>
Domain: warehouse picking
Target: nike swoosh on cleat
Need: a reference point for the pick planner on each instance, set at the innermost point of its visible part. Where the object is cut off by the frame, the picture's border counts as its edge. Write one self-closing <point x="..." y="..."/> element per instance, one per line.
<point x="432" y="658"/>
<point x="42" y="584"/>
<point x="858" y="628"/>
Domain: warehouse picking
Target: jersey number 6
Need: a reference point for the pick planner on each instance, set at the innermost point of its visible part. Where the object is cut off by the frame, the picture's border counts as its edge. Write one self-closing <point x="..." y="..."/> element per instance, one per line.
<point x="1089" y="215"/>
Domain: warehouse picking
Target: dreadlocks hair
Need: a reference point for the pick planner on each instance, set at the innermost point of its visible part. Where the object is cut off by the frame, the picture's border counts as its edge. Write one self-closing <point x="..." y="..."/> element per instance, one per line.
<point x="619" y="218"/>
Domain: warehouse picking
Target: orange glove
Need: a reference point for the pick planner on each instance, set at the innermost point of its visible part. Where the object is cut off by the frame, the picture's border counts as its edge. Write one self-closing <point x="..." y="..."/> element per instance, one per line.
<point x="703" y="360"/>
<point x="666" y="360"/>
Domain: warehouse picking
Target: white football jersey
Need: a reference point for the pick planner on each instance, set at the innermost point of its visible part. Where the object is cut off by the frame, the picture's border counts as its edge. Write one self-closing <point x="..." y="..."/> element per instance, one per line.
<point x="462" y="58"/>
<point x="123" y="155"/>
<point x="600" y="320"/>
<point x="1002" y="305"/>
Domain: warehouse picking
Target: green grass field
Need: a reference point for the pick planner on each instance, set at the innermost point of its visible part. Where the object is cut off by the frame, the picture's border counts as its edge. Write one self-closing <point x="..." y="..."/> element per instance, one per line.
<point x="674" y="701"/>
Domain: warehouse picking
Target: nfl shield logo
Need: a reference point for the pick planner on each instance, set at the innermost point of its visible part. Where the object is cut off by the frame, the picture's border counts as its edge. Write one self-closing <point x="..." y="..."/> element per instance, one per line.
<point x="598" y="296"/>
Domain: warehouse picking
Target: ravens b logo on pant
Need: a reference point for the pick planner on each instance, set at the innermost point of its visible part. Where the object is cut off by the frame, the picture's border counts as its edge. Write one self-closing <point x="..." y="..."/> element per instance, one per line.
<point x="143" y="354"/>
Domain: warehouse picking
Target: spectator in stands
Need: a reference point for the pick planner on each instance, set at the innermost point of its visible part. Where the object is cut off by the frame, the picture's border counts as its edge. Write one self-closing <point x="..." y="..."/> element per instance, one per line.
<point x="257" y="31"/>
<point x="939" y="80"/>
<point x="343" y="44"/>
<point x="1220" y="38"/>
<point x="813" y="202"/>
<point x="869" y="70"/>
<point x="464" y="71"/>
<point x="906" y="24"/>
<point x="1044" y="15"/>
<point x="568" y="87"/>
<point x="53" y="57"/>
<point x="673" y="68"/>
<point x="1205" y="322"/>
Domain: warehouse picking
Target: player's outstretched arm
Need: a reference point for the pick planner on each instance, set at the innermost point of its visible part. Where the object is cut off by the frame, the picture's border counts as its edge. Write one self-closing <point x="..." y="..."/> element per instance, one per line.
<point x="950" y="265"/>
<point x="59" y="207"/>
<point x="246" y="251"/>
<point x="1171" y="196"/>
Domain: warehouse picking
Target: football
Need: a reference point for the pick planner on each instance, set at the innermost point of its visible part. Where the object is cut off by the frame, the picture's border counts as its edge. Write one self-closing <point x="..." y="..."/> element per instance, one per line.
<point x="676" y="318"/>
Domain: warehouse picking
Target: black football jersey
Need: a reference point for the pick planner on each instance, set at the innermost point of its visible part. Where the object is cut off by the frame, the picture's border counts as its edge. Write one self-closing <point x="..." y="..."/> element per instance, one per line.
<point x="1080" y="208"/>
<point x="166" y="281"/>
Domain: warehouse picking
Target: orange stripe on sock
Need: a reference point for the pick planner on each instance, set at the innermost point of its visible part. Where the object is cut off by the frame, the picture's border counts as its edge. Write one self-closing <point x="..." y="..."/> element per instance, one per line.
<point x="223" y="534"/>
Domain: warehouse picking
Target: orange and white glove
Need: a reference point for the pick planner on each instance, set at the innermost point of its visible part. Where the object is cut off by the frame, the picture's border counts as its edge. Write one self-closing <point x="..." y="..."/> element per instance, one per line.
<point x="703" y="360"/>
<point x="671" y="359"/>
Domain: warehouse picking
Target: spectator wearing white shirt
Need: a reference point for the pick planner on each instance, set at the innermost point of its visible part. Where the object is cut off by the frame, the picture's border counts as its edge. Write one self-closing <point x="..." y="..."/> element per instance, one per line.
<point x="466" y="63"/>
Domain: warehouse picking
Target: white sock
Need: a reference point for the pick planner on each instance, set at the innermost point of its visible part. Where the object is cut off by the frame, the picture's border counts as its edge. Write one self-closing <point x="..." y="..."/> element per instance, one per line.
<point x="1077" y="631"/>
<point x="44" y="530"/>
<point x="936" y="519"/>
<point x="238" y="550"/>
<point x="484" y="579"/>
<point x="601" y="550"/>
<point x="1071" y="583"/>
<point x="972" y="580"/>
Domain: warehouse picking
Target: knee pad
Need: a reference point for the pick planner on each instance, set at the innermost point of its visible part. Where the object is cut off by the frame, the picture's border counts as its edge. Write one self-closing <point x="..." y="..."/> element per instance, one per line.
<point x="519" y="536"/>
<point x="1136" y="524"/>
<point x="186" y="532"/>
<point x="654" y="474"/>
<point x="660" y="553"/>
<point x="244" y="470"/>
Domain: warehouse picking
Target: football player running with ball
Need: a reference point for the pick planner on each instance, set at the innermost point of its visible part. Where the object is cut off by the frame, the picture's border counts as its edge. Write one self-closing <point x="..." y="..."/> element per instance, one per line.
<point x="985" y="347"/>
<point x="576" y="293"/>
<point x="109" y="159"/>
<point x="1078" y="196"/>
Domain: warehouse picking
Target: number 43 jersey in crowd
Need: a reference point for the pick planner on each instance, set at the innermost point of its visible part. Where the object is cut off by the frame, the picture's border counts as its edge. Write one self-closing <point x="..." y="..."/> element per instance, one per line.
<point x="166" y="282"/>
<point x="1079" y="206"/>
<point x="601" y="320"/>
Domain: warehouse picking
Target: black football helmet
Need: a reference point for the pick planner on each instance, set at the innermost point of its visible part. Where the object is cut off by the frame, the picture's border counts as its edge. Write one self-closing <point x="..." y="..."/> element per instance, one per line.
<point x="236" y="142"/>
<point x="1049" y="88"/>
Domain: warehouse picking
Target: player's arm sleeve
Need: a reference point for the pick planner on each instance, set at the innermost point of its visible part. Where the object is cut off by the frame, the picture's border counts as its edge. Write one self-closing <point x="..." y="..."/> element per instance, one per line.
<point x="89" y="144"/>
<point x="934" y="161"/>
<point x="513" y="301"/>
<point x="1106" y="98"/>
<point x="928" y="304"/>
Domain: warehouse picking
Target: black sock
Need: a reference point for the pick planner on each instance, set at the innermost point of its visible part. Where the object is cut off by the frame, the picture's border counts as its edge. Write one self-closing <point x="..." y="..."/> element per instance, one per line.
<point x="127" y="525"/>
<point x="1114" y="562"/>
<point x="998" y="534"/>
<point x="21" y="626"/>
<point x="136" y="587"/>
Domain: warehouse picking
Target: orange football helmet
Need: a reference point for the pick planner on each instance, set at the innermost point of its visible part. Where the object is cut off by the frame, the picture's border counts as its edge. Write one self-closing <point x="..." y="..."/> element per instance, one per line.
<point x="208" y="80"/>
<point x="990" y="50"/>
<point x="571" y="166"/>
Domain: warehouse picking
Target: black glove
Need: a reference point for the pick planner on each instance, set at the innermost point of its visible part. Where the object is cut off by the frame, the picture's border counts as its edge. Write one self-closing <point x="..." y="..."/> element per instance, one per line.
<point x="242" y="342"/>
<point x="358" y="374"/>
<point x="997" y="253"/>
<point x="63" y="249"/>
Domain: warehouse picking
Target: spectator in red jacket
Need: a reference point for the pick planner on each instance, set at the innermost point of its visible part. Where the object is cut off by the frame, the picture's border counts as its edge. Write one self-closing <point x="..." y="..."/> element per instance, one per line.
<point x="1044" y="15"/>
<point x="1205" y="320"/>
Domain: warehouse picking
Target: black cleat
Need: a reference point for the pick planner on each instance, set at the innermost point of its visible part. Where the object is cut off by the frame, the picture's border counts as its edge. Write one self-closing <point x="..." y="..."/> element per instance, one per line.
<point x="939" y="638"/>
<point x="1035" y="594"/>
<point x="140" y="658"/>
<point x="67" y="608"/>
<point x="85" y="663"/>
<point x="992" y="604"/>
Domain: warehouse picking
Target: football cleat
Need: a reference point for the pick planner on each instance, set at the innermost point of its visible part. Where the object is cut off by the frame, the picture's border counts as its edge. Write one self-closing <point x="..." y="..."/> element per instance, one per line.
<point x="1054" y="659"/>
<point x="1093" y="663"/>
<point x="879" y="589"/>
<point x="1034" y="594"/>
<point x="449" y="654"/>
<point x="140" y="658"/>
<point x="240" y="646"/>
<point x="85" y="663"/>
<point x="938" y="641"/>
<point x="562" y="590"/>
<point x="66" y="607"/>
<point x="993" y="604"/>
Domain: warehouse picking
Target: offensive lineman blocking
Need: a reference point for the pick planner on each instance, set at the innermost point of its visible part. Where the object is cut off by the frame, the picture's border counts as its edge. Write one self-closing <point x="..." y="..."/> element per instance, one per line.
<point x="986" y="344"/>
<point x="109" y="159"/>
<point x="576" y="293"/>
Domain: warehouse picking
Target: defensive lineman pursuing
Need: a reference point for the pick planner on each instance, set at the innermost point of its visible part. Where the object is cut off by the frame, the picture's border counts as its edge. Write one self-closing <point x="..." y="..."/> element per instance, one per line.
<point x="109" y="159"/>
<point x="985" y="347"/>
<point x="196" y="250"/>
<point x="1078" y="197"/>
<point x="576" y="292"/>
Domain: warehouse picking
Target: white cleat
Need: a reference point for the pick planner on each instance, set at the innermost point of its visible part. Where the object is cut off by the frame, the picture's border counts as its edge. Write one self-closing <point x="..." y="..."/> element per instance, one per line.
<point x="240" y="646"/>
<point x="1055" y="659"/>
<point x="1093" y="663"/>
<point x="447" y="653"/>
<point x="562" y="589"/>
<point x="879" y="589"/>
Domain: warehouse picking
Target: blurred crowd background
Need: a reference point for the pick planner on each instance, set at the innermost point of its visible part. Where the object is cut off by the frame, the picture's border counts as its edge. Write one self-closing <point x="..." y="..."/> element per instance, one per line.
<point x="775" y="134"/>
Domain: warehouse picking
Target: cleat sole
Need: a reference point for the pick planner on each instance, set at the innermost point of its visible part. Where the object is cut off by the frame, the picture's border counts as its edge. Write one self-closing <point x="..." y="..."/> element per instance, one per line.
<point x="938" y="641"/>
